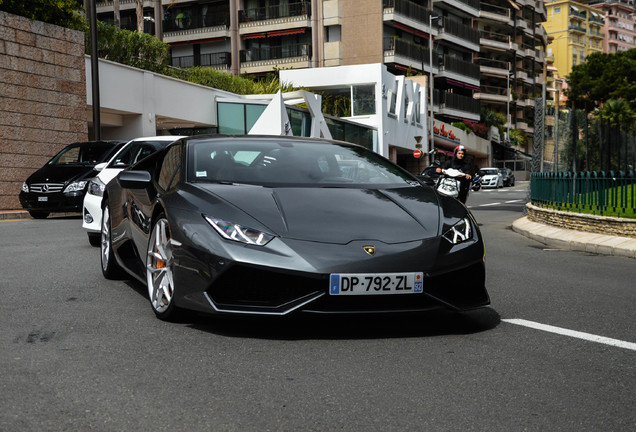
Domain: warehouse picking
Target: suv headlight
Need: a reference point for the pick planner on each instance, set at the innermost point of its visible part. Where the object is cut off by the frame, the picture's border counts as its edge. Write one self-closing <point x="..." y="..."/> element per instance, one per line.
<point x="96" y="187"/>
<point x="239" y="233"/>
<point x="76" y="186"/>
<point x="460" y="232"/>
<point x="25" y="187"/>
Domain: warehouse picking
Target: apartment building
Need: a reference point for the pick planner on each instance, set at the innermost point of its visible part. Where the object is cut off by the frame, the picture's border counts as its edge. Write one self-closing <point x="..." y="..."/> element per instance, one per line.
<point x="471" y="49"/>
<point x="512" y="59"/>
<point x="577" y="30"/>
<point x="258" y="36"/>
<point x="620" y="24"/>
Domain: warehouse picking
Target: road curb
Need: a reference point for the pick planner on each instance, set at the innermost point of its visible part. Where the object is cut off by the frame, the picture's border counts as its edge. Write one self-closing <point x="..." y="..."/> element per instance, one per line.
<point x="576" y="240"/>
<point x="14" y="214"/>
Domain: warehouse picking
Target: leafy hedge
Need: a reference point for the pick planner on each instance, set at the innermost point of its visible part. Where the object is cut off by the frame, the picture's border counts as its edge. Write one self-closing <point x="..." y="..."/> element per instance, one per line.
<point x="146" y="52"/>
<point x="140" y="50"/>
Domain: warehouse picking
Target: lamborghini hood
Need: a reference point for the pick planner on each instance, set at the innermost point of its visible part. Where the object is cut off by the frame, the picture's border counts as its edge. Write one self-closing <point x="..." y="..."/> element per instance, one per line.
<point x="337" y="215"/>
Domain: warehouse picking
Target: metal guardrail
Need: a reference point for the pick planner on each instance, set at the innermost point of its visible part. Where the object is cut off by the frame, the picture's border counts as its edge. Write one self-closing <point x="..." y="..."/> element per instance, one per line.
<point x="598" y="192"/>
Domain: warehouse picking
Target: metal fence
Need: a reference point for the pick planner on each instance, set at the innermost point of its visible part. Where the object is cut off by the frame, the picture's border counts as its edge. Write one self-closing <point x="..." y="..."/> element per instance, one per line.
<point x="597" y="192"/>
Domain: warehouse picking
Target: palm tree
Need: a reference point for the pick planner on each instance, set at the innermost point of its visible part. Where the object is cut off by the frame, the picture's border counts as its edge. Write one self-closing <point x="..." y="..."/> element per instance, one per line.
<point x="620" y="118"/>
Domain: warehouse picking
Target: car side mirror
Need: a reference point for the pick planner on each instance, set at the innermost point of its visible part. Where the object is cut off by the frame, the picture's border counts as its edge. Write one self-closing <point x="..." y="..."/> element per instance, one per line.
<point x="134" y="179"/>
<point x="100" y="166"/>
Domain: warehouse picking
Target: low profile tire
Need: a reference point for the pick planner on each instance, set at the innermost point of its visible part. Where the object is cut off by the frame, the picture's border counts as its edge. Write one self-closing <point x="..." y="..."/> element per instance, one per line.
<point x="39" y="214"/>
<point x="95" y="239"/>
<point x="110" y="268"/>
<point x="159" y="271"/>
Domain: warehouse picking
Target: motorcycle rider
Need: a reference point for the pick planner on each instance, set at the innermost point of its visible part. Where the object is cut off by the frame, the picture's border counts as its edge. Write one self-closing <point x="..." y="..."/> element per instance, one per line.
<point x="459" y="162"/>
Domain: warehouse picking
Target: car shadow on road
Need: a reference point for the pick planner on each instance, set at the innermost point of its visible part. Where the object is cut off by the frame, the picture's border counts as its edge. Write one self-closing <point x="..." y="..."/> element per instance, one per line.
<point x="301" y="327"/>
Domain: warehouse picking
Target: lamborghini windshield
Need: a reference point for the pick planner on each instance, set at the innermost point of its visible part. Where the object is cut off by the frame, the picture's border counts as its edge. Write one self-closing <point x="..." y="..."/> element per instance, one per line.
<point x="263" y="161"/>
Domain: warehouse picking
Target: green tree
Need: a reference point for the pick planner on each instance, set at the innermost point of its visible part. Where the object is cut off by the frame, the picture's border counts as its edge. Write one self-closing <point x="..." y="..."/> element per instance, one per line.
<point x="65" y="13"/>
<point x="620" y="119"/>
<point x="603" y="77"/>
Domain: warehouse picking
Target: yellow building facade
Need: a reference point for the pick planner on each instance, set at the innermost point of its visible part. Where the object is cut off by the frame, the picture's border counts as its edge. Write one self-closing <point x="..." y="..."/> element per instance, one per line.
<point x="576" y="30"/>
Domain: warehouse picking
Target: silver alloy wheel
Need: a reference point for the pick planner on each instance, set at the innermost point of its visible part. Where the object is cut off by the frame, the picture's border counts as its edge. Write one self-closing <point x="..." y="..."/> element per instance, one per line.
<point x="105" y="241"/>
<point x="159" y="267"/>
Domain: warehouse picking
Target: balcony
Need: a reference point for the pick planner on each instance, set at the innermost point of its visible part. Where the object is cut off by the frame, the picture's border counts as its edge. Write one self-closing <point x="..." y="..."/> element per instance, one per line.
<point x="408" y="54"/>
<point x="187" y="25"/>
<point x="282" y="12"/>
<point x="495" y="13"/>
<point x="456" y="32"/>
<point x="470" y="7"/>
<point x="218" y="61"/>
<point x="494" y="94"/>
<point x="596" y="34"/>
<point x="489" y="66"/>
<point x="597" y="19"/>
<point x="262" y="59"/>
<point x="575" y="14"/>
<point x="455" y="105"/>
<point x="407" y="9"/>
<point x="576" y="28"/>
<point x="460" y="70"/>
<point x="496" y="41"/>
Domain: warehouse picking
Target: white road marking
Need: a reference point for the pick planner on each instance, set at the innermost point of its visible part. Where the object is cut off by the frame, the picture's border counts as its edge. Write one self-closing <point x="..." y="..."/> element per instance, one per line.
<point x="512" y="201"/>
<point x="573" y="333"/>
<point x="491" y="204"/>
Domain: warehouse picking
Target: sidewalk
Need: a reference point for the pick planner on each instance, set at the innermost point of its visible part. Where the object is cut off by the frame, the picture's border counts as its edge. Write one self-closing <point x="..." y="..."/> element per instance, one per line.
<point x="576" y="240"/>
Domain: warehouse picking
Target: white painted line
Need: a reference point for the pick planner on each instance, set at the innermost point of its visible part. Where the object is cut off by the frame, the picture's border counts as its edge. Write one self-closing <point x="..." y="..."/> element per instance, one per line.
<point x="512" y="201"/>
<point x="491" y="204"/>
<point x="573" y="333"/>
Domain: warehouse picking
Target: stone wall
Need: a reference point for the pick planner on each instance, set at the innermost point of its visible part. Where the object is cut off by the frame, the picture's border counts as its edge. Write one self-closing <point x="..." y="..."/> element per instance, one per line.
<point x="42" y="98"/>
<point x="622" y="227"/>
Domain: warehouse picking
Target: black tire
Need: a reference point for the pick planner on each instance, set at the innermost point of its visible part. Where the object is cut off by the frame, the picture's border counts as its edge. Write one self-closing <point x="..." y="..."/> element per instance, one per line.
<point x="39" y="214"/>
<point x="95" y="239"/>
<point x="110" y="268"/>
<point x="159" y="271"/>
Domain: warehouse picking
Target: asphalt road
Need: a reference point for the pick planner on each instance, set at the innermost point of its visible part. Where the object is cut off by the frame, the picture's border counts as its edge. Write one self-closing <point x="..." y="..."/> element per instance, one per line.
<point x="78" y="352"/>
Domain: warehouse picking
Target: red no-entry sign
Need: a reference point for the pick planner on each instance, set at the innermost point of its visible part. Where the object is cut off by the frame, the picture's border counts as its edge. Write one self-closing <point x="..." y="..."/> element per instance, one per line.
<point x="417" y="153"/>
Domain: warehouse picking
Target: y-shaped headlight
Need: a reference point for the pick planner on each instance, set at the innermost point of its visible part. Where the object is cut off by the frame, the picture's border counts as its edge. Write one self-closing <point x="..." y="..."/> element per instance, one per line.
<point x="239" y="233"/>
<point x="76" y="186"/>
<point x="460" y="232"/>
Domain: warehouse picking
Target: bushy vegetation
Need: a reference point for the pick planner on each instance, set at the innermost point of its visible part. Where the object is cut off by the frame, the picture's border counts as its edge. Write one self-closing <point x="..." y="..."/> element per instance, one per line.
<point x="65" y="13"/>
<point x="135" y="49"/>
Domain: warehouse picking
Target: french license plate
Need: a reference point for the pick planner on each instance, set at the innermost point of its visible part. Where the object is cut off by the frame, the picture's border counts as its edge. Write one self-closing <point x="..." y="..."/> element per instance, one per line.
<point x="43" y="198"/>
<point x="375" y="284"/>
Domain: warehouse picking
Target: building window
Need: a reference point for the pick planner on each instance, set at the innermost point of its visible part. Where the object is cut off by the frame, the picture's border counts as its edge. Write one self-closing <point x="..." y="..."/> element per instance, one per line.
<point x="557" y="9"/>
<point x="363" y="99"/>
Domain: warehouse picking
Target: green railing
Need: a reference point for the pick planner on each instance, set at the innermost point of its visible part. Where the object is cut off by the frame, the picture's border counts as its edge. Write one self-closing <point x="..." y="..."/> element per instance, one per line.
<point x="603" y="193"/>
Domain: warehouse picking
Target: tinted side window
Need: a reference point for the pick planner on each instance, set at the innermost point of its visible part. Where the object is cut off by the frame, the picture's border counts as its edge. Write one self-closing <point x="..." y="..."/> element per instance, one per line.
<point x="170" y="171"/>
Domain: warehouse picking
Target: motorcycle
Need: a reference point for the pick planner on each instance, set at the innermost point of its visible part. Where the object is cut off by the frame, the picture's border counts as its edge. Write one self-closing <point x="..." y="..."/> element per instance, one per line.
<point x="476" y="182"/>
<point x="448" y="182"/>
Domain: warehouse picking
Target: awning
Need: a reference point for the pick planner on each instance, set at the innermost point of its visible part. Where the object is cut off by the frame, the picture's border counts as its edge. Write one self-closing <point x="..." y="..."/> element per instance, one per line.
<point x="254" y="35"/>
<point x="445" y="152"/>
<point x="463" y="84"/>
<point x="411" y="30"/>
<point x="574" y="8"/>
<point x="199" y="41"/>
<point x="285" y="32"/>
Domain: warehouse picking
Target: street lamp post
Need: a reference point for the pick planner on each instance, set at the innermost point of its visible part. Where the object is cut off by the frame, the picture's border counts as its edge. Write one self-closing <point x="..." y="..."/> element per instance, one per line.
<point x="430" y="77"/>
<point x="508" y="104"/>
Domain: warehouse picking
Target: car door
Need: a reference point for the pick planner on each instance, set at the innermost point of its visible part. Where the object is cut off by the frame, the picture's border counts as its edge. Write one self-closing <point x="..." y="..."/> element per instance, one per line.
<point x="166" y="171"/>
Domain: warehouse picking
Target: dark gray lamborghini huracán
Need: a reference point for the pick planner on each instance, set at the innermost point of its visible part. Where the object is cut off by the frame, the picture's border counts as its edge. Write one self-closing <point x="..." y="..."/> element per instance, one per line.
<point x="276" y="225"/>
